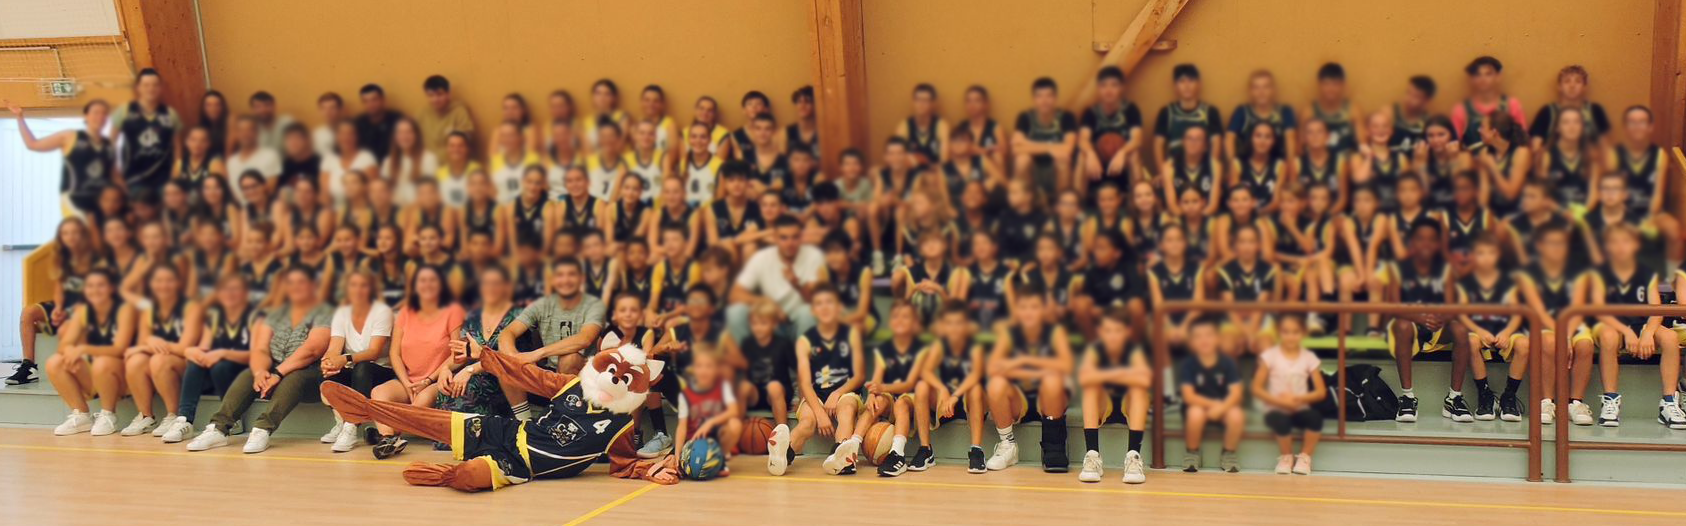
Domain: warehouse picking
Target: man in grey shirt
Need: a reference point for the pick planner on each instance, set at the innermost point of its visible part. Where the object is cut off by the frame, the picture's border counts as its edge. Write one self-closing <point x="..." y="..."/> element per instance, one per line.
<point x="568" y="322"/>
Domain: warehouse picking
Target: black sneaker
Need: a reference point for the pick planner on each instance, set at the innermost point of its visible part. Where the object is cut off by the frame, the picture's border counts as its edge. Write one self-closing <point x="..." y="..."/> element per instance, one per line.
<point x="922" y="460"/>
<point x="371" y="436"/>
<point x="893" y="465"/>
<point x="390" y="447"/>
<point x="975" y="460"/>
<point x="1510" y="409"/>
<point x="847" y="470"/>
<point x="23" y="375"/>
<point x="1407" y="409"/>
<point x="1486" y="404"/>
<point x="1054" y="459"/>
<point x="1455" y="409"/>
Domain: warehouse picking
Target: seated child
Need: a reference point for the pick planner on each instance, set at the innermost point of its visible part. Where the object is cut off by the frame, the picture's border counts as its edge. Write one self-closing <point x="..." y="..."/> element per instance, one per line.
<point x="1211" y="391"/>
<point x="1029" y="369"/>
<point x="830" y="371"/>
<point x="707" y="408"/>
<point x="952" y="376"/>
<point x="763" y="359"/>
<point x="1115" y="378"/>
<point x="1287" y="383"/>
<point x="894" y="372"/>
<point x="1487" y="284"/>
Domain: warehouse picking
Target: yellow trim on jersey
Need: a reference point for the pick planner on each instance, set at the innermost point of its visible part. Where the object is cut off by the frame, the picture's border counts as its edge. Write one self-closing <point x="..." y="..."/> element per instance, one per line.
<point x="501" y="163"/>
<point x="458" y="420"/>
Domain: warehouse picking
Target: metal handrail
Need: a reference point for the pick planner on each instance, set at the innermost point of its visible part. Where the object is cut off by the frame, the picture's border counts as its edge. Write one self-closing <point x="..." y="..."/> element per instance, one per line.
<point x="1564" y="444"/>
<point x="1162" y="356"/>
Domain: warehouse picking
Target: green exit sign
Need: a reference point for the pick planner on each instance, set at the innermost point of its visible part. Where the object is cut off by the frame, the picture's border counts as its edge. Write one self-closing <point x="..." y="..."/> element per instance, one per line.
<point x="63" y="89"/>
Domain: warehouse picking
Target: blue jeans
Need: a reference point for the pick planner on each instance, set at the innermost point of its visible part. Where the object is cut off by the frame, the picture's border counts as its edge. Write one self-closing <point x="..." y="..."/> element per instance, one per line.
<point x="197" y="380"/>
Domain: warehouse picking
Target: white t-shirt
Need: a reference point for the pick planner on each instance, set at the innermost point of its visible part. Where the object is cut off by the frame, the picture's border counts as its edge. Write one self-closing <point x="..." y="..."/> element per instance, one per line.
<point x="322" y="138"/>
<point x="378" y="323"/>
<point x="335" y="173"/>
<point x="271" y="136"/>
<point x="1289" y="376"/>
<point x="265" y="160"/>
<point x="404" y="188"/>
<point x="764" y="274"/>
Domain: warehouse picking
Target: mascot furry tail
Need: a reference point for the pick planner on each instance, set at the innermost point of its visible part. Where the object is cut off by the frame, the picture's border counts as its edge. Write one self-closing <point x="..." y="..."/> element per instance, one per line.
<point x="590" y="416"/>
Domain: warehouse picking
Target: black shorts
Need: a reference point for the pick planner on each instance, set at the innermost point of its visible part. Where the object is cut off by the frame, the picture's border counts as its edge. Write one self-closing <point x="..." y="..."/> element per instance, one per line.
<point x="495" y="439"/>
<point x="1113" y="410"/>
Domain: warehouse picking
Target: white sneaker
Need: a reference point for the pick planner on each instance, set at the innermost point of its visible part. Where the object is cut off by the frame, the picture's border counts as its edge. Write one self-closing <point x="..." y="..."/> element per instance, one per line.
<point x="657" y="447"/>
<point x="138" y="426"/>
<point x="778" y="450"/>
<point x="1133" y="472"/>
<point x="1610" y="412"/>
<point x="1670" y="415"/>
<point x="1302" y="464"/>
<point x="346" y="439"/>
<point x="1006" y="454"/>
<point x="105" y="423"/>
<point x="211" y="438"/>
<point x="1092" y="469"/>
<point x="1580" y="414"/>
<point x="333" y="434"/>
<point x="842" y="458"/>
<point x="178" y="430"/>
<point x="257" y="443"/>
<point x="77" y="422"/>
<point x="164" y="425"/>
<point x="1548" y="411"/>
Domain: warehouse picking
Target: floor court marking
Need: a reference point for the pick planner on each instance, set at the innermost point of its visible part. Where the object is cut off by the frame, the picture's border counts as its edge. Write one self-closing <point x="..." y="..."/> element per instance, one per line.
<point x="910" y="483"/>
<point x="1227" y="496"/>
<point x="613" y="504"/>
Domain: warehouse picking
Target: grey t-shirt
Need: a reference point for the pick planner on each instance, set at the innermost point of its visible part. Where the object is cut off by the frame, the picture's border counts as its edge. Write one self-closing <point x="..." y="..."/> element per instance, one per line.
<point x="287" y="337"/>
<point x="555" y="323"/>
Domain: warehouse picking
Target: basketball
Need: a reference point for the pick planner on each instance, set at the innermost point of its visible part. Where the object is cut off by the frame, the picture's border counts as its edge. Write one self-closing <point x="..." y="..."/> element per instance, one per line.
<point x="1108" y="146"/>
<point x="756" y="431"/>
<point x="875" y="444"/>
<point x="702" y="459"/>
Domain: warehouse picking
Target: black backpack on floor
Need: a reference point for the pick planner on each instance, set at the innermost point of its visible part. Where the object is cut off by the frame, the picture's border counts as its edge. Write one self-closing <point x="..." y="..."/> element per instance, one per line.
<point x="1368" y="397"/>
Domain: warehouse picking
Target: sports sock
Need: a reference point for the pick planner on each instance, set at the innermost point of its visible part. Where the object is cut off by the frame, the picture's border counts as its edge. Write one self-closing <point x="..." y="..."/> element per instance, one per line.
<point x="1409" y="393"/>
<point x="1481" y="386"/>
<point x="1091" y="439"/>
<point x="854" y="438"/>
<point x="1454" y="394"/>
<point x="1511" y="384"/>
<point x="1612" y="396"/>
<point x="1136" y="440"/>
<point x="523" y="411"/>
<point x="898" y="445"/>
<point x="1668" y="398"/>
<point x="657" y="421"/>
<point x="1006" y="433"/>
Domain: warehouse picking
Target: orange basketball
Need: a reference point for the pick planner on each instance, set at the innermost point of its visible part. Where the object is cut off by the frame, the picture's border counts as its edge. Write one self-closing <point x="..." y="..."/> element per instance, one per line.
<point x="756" y="431"/>
<point x="1108" y="146"/>
<point x="875" y="443"/>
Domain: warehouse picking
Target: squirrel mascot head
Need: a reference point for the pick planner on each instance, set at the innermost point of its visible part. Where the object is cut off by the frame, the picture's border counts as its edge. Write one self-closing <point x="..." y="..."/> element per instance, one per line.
<point x="619" y="377"/>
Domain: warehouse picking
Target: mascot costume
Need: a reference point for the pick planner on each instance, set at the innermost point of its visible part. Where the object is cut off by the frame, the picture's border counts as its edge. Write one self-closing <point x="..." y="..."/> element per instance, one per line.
<point x="590" y="416"/>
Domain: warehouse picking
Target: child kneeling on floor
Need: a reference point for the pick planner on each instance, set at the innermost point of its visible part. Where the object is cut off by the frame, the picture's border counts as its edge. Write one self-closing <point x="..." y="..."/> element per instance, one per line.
<point x="707" y="408"/>
<point x="1288" y="382"/>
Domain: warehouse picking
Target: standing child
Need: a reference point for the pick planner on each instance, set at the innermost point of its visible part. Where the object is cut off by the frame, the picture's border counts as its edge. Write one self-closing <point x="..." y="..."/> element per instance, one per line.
<point x="830" y="369"/>
<point x="1115" y="378"/>
<point x="707" y="408"/>
<point x="1288" y="382"/>
<point x="1211" y="391"/>
<point x="950" y="377"/>
<point x="895" y="371"/>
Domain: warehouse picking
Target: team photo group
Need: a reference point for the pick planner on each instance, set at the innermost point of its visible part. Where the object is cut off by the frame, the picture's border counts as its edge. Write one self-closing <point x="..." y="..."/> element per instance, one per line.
<point x="575" y="281"/>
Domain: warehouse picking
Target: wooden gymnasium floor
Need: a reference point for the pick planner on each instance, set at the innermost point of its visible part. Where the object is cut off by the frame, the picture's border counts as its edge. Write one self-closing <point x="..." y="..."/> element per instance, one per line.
<point x="113" y="480"/>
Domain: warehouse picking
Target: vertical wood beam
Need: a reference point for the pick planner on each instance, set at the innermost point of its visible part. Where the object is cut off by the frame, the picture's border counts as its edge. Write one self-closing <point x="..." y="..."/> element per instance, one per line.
<point x="164" y="35"/>
<point x="1133" y="46"/>
<point x="1668" y="88"/>
<point x="838" y="41"/>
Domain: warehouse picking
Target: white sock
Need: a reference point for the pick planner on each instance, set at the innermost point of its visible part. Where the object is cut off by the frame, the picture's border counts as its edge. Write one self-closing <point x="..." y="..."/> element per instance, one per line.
<point x="1005" y="432"/>
<point x="854" y="438"/>
<point x="523" y="411"/>
<point x="898" y="445"/>
<point x="1408" y="393"/>
<point x="1454" y="394"/>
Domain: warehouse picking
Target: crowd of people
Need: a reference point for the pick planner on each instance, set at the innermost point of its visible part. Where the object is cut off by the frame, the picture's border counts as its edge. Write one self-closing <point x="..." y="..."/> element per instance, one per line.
<point x="973" y="270"/>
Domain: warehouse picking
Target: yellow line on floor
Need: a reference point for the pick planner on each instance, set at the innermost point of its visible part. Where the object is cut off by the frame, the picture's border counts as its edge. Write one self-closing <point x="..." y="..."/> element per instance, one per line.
<point x="613" y="504"/>
<point x="196" y="454"/>
<point x="1222" y="496"/>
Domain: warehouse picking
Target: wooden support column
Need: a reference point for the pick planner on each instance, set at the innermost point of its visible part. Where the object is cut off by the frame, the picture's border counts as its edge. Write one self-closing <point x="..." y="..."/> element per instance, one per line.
<point x="1668" y="88"/>
<point x="164" y="35"/>
<point x="1134" y="44"/>
<point x="839" y="51"/>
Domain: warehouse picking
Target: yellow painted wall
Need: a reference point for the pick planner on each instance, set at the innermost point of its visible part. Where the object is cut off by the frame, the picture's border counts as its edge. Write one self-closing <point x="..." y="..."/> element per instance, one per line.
<point x="297" y="49"/>
<point x="1004" y="44"/>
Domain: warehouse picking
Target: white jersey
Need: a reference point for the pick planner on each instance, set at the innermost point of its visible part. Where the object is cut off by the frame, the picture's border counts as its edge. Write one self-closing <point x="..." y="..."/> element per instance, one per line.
<point x="664" y="134"/>
<point x="700" y="181"/>
<point x="651" y="172"/>
<point x="556" y="175"/>
<point x="506" y="174"/>
<point x="602" y="176"/>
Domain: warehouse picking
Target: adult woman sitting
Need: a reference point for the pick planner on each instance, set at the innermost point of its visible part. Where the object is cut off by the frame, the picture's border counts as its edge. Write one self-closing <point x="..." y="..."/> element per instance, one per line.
<point x="357" y="345"/>
<point x="421" y="338"/>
